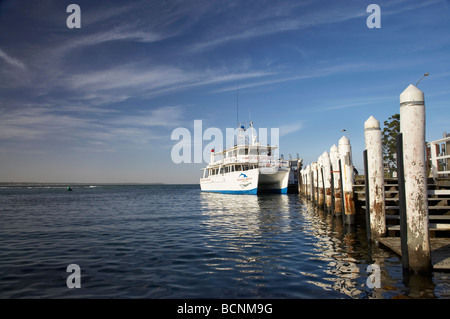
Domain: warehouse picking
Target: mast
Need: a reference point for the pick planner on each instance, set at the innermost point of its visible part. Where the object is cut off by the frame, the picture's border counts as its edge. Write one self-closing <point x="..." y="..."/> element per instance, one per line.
<point x="237" y="105"/>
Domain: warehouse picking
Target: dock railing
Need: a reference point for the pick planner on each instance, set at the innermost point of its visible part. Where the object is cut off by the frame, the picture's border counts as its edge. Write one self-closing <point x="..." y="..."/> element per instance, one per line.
<point x="439" y="158"/>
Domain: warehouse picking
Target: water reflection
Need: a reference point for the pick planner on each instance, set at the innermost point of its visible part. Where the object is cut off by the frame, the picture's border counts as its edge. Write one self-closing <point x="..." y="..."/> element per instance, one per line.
<point x="335" y="245"/>
<point x="285" y="245"/>
<point x="246" y="213"/>
<point x="349" y="254"/>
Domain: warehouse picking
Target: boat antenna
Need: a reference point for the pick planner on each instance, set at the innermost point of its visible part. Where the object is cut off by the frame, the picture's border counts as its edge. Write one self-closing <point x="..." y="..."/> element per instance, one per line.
<point x="237" y="105"/>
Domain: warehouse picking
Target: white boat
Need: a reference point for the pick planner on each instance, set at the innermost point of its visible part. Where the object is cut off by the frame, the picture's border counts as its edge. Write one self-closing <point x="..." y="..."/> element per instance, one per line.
<point x="246" y="168"/>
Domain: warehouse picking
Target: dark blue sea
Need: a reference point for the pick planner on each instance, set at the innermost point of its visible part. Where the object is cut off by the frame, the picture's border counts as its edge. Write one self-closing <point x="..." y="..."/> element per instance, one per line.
<point x="172" y="241"/>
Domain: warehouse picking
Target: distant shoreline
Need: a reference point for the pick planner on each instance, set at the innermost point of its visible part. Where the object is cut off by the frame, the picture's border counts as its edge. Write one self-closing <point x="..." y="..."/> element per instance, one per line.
<point x="18" y="184"/>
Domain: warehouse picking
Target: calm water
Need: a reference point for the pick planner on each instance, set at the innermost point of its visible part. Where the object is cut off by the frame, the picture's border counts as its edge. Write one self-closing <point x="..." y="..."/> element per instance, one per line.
<point x="171" y="241"/>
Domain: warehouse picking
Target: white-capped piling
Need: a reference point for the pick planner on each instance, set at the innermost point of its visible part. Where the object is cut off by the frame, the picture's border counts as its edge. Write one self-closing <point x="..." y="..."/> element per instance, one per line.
<point x="375" y="172"/>
<point x="327" y="179"/>
<point x="299" y="176"/>
<point x="301" y="182"/>
<point x="314" y="182"/>
<point x="412" y="127"/>
<point x="310" y="182"/>
<point x="334" y="158"/>
<point x="345" y="154"/>
<point x="320" y="197"/>
<point x="305" y="181"/>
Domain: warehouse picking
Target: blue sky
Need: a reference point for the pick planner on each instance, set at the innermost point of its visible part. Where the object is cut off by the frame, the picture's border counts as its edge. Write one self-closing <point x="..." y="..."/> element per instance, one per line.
<point x="99" y="103"/>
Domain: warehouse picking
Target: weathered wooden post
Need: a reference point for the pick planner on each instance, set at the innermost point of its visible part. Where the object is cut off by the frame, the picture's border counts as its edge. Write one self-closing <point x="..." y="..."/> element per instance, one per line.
<point x="367" y="198"/>
<point x="301" y="182"/>
<point x="299" y="175"/>
<point x="314" y="182"/>
<point x="305" y="181"/>
<point x="310" y="183"/>
<point x="345" y="154"/>
<point x="320" y="197"/>
<point x="334" y="158"/>
<point x="375" y="173"/>
<point x="327" y="179"/>
<point x="412" y="127"/>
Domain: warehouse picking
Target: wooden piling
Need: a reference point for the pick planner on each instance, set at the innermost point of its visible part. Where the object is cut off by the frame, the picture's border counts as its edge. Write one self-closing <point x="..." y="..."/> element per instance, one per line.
<point x="345" y="154"/>
<point x="299" y="175"/>
<point x="314" y="182"/>
<point x="412" y="127"/>
<point x="305" y="181"/>
<point x="301" y="182"/>
<point x="311" y="183"/>
<point x="367" y="197"/>
<point x="334" y="158"/>
<point x="402" y="201"/>
<point x="327" y="179"/>
<point x="375" y="174"/>
<point x="320" y="194"/>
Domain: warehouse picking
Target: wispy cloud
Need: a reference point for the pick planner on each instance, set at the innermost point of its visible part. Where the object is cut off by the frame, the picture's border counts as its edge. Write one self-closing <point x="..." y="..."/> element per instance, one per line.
<point x="289" y="128"/>
<point x="138" y="79"/>
<point x="265" y="23"/>
<point x="350" y="102"/>
<point x="74" y="129"/>
<point x="167" y="116"/>
<point x="286" y="16"/>
<point x="308" y="74"/>
<point x="11" y="60"/>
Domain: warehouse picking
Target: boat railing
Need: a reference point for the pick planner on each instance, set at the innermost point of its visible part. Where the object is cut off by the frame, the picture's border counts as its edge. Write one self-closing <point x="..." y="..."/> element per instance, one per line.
<point x="261" y="161"/>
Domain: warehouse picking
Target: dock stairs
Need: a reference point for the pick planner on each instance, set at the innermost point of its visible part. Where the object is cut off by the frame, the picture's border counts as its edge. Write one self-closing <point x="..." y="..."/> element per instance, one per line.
<point x="438" y="205"/>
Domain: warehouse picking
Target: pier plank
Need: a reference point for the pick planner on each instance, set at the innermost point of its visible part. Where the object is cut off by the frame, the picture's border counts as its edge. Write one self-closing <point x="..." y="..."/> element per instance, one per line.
<point x="440" y="250"/>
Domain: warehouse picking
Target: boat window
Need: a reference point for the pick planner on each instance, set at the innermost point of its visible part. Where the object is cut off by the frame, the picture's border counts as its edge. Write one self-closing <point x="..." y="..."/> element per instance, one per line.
<point x="243" y="151"/>
<point x="238" y="168"/>
<point x="253" y="151"/>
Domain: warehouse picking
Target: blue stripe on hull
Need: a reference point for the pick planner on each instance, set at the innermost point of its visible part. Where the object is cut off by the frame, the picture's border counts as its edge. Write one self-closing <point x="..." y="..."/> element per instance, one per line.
<point x="274" y="191"/>
<point x="249" y="192"/>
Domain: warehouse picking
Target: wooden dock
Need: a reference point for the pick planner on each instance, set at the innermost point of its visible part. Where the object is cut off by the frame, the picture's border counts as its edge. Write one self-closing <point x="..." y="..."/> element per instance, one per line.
<point x="439" y="219"/>
<point x="440" y="251"/>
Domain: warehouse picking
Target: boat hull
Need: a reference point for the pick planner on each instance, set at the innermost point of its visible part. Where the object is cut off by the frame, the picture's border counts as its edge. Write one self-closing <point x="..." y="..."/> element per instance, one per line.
<point x="274" y="182"/>
<point x="247" y="182"/>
